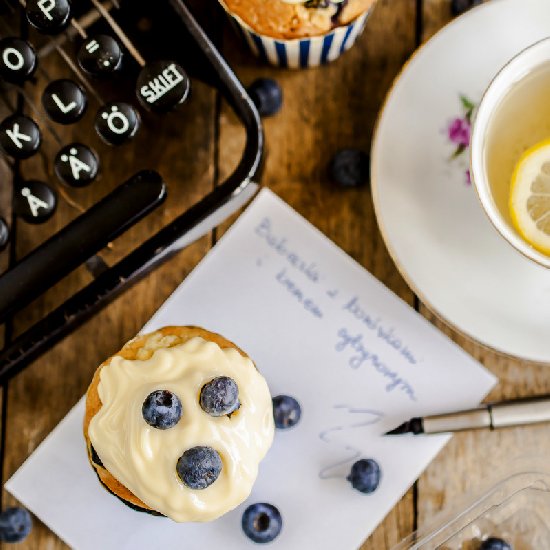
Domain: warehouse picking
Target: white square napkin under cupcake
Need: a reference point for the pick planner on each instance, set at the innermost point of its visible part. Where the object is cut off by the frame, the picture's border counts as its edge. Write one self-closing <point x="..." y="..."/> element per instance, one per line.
<point x="320" y="328"/>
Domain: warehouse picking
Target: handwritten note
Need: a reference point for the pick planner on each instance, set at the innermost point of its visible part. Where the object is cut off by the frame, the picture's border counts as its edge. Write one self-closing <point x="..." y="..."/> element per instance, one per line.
<point x="321" y="329"/>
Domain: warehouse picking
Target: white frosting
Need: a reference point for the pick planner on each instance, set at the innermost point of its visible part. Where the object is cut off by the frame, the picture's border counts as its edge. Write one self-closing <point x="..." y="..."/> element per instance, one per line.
<point x="144" y="458"/>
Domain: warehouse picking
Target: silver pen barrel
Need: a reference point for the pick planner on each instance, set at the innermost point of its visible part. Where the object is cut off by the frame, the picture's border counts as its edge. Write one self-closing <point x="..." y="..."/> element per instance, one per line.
<point x="499" y="415"/>
<point x="519" y="413"/>
<point x="474" y="419"/>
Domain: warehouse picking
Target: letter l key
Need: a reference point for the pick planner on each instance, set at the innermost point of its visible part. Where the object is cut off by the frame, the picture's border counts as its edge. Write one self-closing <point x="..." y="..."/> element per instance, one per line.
<point x="62" y="107"/>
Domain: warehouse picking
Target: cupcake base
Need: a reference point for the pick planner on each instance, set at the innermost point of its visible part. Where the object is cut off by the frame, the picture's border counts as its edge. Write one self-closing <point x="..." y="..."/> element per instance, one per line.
<point x="300" y="53"/>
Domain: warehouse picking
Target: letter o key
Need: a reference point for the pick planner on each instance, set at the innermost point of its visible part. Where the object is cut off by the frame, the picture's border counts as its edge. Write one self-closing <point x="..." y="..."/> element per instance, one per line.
<point x="17" y="60"/>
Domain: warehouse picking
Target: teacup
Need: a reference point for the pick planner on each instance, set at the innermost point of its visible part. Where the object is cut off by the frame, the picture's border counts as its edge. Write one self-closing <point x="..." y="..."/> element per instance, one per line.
<point x="508" y="129"/>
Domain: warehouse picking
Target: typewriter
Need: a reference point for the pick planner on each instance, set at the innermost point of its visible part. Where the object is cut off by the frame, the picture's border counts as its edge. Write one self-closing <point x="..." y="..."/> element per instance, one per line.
<point x="78" y="79"/>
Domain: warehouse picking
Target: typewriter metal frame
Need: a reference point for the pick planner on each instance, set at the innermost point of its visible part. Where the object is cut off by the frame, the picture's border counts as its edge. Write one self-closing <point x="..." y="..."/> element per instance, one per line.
<point x="158" y="248"/>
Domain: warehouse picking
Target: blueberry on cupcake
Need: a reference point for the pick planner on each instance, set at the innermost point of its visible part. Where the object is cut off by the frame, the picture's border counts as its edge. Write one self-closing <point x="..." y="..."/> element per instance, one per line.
<point x="161" y="409"/>
<point x="220" y="396"/>
<point x="199" y="467"/>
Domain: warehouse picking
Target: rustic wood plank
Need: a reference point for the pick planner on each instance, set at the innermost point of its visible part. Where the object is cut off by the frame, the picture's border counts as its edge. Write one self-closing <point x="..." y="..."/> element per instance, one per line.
<point x="5" y="212"/>
<point x="474" y="459"/>
<point x="6" y="181"/>
<point x="39" y="397"/>
<point x="326" y="109"/>
<point x="436" y="13"/>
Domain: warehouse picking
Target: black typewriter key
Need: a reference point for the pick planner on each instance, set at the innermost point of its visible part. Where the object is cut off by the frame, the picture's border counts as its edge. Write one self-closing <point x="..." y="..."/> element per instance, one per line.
<point x="100" y="55"/>
<point x="35" y="201"/>
<point x="19" y="136"/>
<point x="17" y="60"/>
<point x="48" y="16"/>
<point x="64" y="101"/>
<point x="162" y="85"/>
<point x="117" y="122"/>
<point x="4" y="234"/>
<point x="76" y="165"/>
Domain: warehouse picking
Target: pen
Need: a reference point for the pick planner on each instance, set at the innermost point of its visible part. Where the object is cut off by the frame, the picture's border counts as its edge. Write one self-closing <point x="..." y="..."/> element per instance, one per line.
<point x="506" y="414"/>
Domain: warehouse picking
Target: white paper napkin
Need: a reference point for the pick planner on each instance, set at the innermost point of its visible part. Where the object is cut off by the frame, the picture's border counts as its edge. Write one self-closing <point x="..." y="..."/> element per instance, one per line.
<point x="320" y="328"/>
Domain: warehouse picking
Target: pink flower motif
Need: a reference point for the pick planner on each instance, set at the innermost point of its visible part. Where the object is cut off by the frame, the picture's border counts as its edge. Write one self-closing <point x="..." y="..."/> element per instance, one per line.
<point x="468" y="178"/>
<point x="459" y="131"/>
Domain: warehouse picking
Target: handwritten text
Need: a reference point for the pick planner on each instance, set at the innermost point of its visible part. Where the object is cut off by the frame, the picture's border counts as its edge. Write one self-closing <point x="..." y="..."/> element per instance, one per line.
<point x="386" y="334"/>
<point x="279" y="245"/>
<point x="362" y="356"/>
<point x="283" y="279"/>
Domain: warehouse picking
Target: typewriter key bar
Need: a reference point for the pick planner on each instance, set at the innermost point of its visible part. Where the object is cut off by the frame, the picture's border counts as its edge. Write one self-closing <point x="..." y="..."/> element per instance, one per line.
<point x="77" y="241"/>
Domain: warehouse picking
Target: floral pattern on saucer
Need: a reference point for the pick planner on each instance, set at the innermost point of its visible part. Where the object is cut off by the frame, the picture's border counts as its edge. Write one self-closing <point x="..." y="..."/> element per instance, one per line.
<point x="459" y="132"/>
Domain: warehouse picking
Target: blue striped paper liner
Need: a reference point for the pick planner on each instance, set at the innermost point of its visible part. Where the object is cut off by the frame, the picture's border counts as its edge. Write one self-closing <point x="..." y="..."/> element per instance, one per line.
<point x="300" y="53"/>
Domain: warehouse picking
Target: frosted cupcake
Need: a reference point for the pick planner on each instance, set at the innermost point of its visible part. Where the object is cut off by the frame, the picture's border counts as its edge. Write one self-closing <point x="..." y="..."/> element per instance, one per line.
<point x="177" y="423"/>
<point x="298" y="33"/>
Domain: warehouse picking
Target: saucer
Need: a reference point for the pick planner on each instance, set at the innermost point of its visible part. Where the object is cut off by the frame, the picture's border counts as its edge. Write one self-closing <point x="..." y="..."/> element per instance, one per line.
<point x="428" y="212"/>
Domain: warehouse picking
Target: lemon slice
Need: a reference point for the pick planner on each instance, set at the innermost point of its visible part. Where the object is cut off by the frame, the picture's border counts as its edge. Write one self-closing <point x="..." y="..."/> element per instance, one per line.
<point x="530" y="196"/>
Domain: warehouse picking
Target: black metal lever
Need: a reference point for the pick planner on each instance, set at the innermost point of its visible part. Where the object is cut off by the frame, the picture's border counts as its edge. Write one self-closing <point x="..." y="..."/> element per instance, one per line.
<point x="79" y="240"/>
<point x="159" y="247"/>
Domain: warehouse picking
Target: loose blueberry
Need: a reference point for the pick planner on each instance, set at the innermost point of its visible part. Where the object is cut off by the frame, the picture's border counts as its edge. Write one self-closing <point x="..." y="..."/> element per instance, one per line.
<point x="286" y="412"/>
<point x="199" y="467"/>
<point x="220" y="396"/>
<point x="365" y="475"/>
<point x="266" y="95"/>
<point x="494" y="543"/>
<point x="161" y="409"/>
<point x="4" y="234"/>
<point x="262" y="522"/>
<point x="460" y="6"/>
<point x="15" y="524"/>
<point x="349" y="168"/>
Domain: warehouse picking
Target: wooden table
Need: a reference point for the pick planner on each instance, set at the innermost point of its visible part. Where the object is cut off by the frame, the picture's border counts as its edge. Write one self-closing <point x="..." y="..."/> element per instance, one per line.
<point x="325" y="109"/>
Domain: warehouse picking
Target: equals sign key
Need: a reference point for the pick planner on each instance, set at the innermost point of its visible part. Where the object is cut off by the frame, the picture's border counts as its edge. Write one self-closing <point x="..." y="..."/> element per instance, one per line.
<point x="92" y="46"/>
<point x="100" y="54"/>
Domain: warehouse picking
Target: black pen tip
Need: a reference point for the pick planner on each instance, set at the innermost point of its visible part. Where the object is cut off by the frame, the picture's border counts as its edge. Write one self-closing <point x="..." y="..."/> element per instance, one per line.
<point x="401" y="429"/>
<point x="412" y="426"/>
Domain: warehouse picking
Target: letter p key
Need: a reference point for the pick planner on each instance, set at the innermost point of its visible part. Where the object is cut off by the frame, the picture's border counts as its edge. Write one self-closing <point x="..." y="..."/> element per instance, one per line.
<point x="48" y="16"/>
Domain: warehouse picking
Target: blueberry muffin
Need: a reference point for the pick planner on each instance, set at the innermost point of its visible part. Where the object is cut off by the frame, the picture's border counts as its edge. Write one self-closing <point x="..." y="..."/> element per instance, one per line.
<point x="289" y="19"/>
<point x="177" y="422"/>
